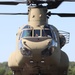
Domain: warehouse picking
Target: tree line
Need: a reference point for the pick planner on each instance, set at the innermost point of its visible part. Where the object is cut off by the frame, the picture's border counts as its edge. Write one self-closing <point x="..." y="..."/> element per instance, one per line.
<point x="71" y="70"/>
<point x="5" y="70"/>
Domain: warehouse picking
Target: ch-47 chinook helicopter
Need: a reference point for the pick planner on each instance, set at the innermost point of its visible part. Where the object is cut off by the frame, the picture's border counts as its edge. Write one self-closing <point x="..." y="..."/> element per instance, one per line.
<point x="38" y="44"/>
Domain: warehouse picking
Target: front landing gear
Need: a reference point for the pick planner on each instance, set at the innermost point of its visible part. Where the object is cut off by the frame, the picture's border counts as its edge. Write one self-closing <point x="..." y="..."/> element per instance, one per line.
<point x="17" y="72"/>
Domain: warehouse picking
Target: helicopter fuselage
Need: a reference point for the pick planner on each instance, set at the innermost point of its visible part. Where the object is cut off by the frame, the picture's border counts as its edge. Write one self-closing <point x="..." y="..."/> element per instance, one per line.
<point x="38" y="48"/>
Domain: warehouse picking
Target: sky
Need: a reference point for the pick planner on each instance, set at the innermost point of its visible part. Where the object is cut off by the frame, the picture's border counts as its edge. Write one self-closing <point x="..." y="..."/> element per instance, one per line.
<point x="9" y="26"/>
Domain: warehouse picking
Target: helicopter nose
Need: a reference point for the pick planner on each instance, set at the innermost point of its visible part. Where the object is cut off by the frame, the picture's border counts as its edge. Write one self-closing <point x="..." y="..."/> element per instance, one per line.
<point x="50" y="49"/>
<point x="24" y="50"/>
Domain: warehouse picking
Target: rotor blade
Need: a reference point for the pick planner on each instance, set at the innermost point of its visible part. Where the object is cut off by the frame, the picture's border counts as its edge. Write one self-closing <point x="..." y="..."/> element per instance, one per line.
<point x="64" y="14"/>
<point x="10" y="2"/>
<point x="13" y="13"/>
<point x="69" y="0"/>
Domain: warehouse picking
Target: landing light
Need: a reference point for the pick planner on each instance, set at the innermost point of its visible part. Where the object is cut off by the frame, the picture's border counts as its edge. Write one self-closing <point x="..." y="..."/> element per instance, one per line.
<point x="31" y="61"/>
<point x="42" y="61"/>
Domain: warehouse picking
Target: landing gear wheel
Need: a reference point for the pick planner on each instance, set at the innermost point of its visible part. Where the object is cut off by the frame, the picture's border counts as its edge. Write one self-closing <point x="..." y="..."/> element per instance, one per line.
<point x="18" y="72"/>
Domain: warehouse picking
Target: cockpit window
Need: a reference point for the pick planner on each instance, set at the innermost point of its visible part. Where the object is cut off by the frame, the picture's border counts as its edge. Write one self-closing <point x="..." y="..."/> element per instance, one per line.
<point x="46" y="33"/>
<point x="36" y="32"/>
<point x="26" y="33"/>
<point x="27" y="26"/>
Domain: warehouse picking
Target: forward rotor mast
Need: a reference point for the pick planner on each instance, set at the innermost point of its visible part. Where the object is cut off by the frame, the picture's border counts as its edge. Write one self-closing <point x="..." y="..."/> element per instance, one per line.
<point x="37" y="16"/>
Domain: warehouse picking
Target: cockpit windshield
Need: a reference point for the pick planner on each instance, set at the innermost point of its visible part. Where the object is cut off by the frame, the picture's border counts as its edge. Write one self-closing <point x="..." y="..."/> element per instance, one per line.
<point x="29" y="32"/>
<point x="46" y="33"/>
<point x="26" y="33"/>
<point x="36" y="33"/>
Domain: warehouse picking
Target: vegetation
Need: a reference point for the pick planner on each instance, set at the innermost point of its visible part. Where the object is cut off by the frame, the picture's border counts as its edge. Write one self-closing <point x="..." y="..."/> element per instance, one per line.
<point x="71" y="68"/>
<point x="5" y="70"/>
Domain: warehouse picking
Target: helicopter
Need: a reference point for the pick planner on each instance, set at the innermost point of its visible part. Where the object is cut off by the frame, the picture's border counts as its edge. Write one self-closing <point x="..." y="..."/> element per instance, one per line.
<point x="38" y="44"/>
